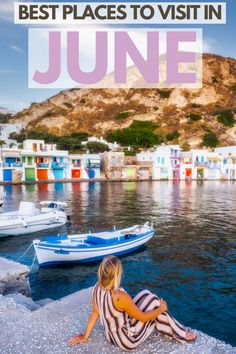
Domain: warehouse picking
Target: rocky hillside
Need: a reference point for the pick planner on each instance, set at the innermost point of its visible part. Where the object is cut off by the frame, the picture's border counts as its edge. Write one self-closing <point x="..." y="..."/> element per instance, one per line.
<point x="190" y="112"/>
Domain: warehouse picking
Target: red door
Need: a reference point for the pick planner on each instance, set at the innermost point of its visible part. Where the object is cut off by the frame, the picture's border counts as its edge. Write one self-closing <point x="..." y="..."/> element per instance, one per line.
<point x="188" y="172"/>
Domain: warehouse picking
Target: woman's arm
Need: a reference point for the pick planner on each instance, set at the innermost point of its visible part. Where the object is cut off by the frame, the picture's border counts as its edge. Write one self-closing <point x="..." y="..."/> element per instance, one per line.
<point x="91" y="323"/>
<point x="125" y="303"/>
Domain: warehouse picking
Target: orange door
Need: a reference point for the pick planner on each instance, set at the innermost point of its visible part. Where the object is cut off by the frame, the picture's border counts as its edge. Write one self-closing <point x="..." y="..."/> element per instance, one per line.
<point x="75" y="173"/>
<point x="42" y="174"/>
<point x="188" y="172"/>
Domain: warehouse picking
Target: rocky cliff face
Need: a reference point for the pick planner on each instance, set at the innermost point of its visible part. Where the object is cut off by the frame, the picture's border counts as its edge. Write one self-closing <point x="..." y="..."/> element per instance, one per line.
<point x="100" y="110"/>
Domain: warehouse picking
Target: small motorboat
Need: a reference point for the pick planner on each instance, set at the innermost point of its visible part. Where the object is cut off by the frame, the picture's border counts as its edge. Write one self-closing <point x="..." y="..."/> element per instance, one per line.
<point x="28" y="218"/>
<point x="91" y="247"/>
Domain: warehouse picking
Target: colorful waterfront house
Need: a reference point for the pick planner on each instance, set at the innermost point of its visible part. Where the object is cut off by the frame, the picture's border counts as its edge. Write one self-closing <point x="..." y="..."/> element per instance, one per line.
<point x="92" y="165"/>
<point x="50" y="163"/>
<point x="129" y="172"/>
<point x="59" y="164"/>
<point x="228" y="162"/>
<point x="112" y="164"/>
<point x="167" y="160"/>
<point x="145" y="162"/>
<point x="214" y="161"/>
<point x="200" y="164"/>
<point x="76" y="166"/>
<point x="11" y="165"/>
<point x="86" y="166"/>
<point x="175" y="159"/>
<point x="29" y="165"/>
<point x="186" y="166"/>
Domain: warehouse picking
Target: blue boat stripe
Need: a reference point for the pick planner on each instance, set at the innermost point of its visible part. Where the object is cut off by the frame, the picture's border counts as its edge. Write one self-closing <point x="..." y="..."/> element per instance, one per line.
<point x="106" y="248"/>
<point x="90" y="259"/>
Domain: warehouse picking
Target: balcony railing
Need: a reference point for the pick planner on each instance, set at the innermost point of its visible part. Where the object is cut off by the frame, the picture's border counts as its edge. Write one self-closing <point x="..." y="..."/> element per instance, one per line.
<point x="201" y="163"/>
<point x="214" y="166"/>
<point x="59" y="165"/>
<point x="43" y="165"/>
<point x="93" y="165"/>
<point x="12" y="164"/>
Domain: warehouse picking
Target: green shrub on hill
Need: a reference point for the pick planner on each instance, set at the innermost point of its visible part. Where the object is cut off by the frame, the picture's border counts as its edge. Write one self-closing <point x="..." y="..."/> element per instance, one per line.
<point x="210" y="140"/>
<point x="4" y="118"/>
<point x="164" y="94"/>
<point x="70" y="142"/>
<point x="96" y="147"/>
<point x="173" y="135"/>
<point x="194" y="117"/>
<point x="139" y="133"/>
<point x="123" y="115"/>
<point x="226" y="118"/>
<point x="68" y="105"/>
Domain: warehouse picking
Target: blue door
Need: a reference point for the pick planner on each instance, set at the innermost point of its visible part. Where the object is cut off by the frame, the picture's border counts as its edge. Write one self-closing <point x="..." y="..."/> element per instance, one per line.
<point x="7" y="175"/>
<point x="91" y="173"/>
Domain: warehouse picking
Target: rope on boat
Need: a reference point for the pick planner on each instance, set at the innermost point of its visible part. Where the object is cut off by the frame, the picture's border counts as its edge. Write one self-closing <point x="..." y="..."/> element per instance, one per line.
<point x="32" y="263"/>
<point x="25" y="252"/>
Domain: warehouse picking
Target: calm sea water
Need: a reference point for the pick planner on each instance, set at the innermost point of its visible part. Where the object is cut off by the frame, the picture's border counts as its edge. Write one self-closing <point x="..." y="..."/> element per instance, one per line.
<point x="190" y="262"/>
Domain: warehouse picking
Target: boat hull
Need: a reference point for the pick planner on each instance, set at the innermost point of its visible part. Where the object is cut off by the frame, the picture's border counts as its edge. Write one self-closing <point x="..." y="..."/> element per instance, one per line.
<point x="17" y="226"/>
<point x="53" y="255"/>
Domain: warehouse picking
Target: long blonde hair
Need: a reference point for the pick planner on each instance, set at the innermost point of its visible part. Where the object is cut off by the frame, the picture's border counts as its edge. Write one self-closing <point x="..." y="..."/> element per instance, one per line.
<point x="109" y="273"/>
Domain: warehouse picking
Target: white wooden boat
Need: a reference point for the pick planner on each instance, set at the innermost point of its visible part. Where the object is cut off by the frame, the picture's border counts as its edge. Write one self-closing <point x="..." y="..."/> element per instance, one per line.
<point x="28" y="218"/>
<point x="90" y="247"/>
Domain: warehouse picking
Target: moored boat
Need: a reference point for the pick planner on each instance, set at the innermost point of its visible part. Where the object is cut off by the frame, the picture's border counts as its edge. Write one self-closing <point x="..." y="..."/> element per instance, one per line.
<point x="91" y="247"/>
<point x="28" y="218"/>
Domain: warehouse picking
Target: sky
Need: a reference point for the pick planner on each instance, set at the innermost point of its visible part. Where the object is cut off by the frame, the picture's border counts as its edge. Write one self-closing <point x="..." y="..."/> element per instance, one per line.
<point x="14" y="92"/>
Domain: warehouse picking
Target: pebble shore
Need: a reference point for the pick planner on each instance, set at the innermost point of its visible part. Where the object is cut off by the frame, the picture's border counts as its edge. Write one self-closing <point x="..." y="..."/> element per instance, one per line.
<point x="47" y="329"/>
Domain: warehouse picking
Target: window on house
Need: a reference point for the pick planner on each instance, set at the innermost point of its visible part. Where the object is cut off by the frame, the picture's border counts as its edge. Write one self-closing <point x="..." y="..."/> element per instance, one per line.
<point x="163" y="160"/>
<point x="225" y="161"/>
<point x="202" y="158"/>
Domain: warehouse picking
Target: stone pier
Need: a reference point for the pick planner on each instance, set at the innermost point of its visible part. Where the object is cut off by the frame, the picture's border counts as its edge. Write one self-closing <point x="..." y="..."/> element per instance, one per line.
<point x="13" y="278"/>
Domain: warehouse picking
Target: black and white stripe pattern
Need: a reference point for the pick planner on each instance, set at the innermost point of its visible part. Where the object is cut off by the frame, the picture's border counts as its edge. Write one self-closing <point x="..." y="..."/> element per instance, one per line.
<point x="128" y="333"/>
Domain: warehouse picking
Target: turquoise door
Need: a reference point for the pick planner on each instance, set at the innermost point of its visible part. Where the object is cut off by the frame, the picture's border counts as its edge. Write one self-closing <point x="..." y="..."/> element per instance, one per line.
<point x="58" y="174"/>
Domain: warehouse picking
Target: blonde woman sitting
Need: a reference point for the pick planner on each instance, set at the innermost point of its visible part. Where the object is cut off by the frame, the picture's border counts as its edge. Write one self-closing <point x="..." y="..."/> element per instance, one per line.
<point x="128" y="322"/>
